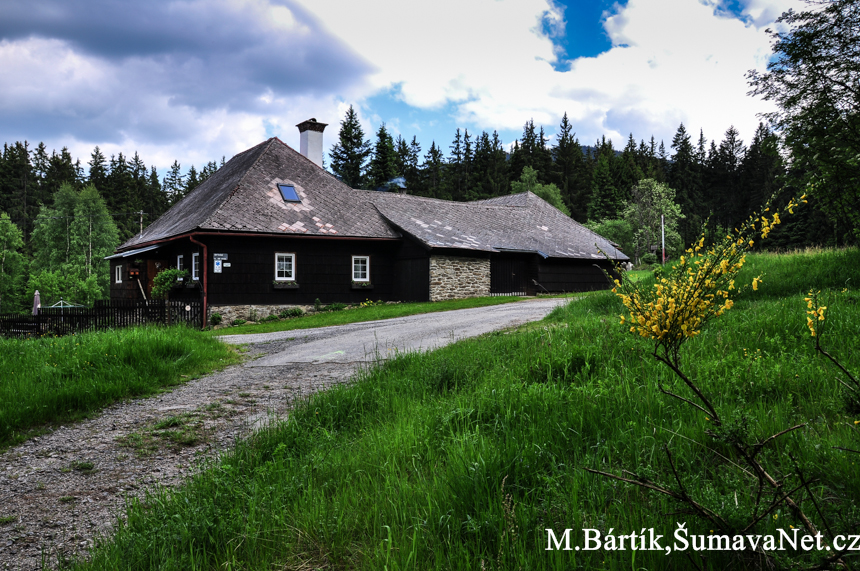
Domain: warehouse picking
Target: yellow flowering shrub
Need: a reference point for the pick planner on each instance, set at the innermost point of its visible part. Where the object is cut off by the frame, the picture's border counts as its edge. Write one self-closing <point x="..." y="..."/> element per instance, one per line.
<point x="697" y="289"/>
<point x="814" y="312"/>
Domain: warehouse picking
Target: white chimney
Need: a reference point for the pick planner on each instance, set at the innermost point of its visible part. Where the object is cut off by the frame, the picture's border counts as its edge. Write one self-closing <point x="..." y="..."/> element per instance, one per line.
<point x="310" y="142"/>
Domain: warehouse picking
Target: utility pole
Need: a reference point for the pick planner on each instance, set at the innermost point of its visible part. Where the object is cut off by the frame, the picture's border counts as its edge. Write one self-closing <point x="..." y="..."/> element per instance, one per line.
<point x="141" y="222"/>
<point x="663" y="237"/>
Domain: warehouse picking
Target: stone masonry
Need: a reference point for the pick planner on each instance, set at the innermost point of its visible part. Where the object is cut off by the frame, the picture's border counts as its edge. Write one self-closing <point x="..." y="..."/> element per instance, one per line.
<point x="454" y="277"/>
<point x="251" y="312"/>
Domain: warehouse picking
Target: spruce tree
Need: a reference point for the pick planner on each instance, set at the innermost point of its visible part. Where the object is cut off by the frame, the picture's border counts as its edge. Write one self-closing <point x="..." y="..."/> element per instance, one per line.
<point x="604" y="201"/>
<point x="453" y="172"/>
<point x="98" y="169"/>
<point x="383" y="165"/>
<point x="570" y="173"/>
<point x="685" y="179"/>
<point x="174" y="183"/>
<point x="412" y="171"/>
<point x="432" y="172"/>
<point x="629" y="172"/>
<point x="60" y="170"/>
<point x="727" y="201"/>
<point x="119" y="196"/>
<point x="349" y="156"/>
<point x="12" y="264"/>
<point x="192" y="180"/>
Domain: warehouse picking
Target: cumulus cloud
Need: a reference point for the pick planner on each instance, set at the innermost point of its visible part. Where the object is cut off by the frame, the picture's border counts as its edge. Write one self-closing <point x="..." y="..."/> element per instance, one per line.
<point x="167" y="74"/>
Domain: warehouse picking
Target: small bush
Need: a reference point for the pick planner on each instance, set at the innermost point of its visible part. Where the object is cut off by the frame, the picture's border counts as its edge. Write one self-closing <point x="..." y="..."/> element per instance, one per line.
<point x="292" y="312"/>
<point x="215" y="319"/>
<point x="317" y="305"/>
<point x="648" y="259"/>
<point x="269" y="318"/>
<point x="336" y="307"/>
<point x="239" y="322"/>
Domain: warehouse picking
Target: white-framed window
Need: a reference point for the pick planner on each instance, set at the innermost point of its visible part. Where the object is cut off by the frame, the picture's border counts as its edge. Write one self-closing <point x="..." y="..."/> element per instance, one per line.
<point x="118" y="274"/>
<point x="195" y="266"/>
<point x="285" y="267"/>
<point x="361" y="268"/>
<point x="180" y="264"/>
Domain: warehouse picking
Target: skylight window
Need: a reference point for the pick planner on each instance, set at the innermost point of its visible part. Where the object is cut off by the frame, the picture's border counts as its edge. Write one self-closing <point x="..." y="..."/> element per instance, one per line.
<point x="288" y="193"/>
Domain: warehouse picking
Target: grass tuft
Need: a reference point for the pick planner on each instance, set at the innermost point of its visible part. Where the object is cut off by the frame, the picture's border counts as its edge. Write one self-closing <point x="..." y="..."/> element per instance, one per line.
<point x="63" y="379"/>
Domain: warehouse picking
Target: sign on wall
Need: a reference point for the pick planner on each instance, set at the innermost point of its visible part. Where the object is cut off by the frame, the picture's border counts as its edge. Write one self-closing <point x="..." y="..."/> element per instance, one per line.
<point x="219" y="262"/>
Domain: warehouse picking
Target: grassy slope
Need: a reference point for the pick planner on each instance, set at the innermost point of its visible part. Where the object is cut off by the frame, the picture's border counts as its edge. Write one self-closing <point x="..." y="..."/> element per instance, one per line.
<point x="54" y="380"/>
<point x="370" y="313"/>
<point x="460" y="458"/>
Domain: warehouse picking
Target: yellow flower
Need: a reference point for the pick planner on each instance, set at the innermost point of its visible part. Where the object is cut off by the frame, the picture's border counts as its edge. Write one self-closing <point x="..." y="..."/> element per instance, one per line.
<point x="755" y="283"/>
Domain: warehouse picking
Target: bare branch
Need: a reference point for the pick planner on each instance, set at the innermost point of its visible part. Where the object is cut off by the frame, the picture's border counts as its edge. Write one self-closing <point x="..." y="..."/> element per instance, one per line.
<point x="762" y="444"/>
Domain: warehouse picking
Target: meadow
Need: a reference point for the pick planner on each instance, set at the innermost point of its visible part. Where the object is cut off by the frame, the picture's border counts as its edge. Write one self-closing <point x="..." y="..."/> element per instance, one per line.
<point x="54" y="380"/>
<point x="462" y="458"/>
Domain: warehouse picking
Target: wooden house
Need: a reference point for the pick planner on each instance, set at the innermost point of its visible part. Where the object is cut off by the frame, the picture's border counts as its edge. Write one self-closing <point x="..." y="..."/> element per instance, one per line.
<point x="272" y="229"/>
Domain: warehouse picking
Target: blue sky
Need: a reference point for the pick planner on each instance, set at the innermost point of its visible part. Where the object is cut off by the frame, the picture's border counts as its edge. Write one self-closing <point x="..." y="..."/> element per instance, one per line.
<point x="195" y="80"/>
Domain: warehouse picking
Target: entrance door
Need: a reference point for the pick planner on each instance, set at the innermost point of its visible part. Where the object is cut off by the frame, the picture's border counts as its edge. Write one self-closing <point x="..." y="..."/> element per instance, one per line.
<point x="508" y="275"/>
<point x="152" y="268"/>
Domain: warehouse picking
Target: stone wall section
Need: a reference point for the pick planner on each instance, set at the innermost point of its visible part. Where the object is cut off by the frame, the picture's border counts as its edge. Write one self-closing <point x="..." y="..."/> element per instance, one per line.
<point x="251" y="312"/>
<point x="455" y="277"/>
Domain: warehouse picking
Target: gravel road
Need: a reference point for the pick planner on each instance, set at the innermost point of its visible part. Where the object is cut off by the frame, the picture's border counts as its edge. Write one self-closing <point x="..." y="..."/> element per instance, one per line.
<point x="59" y="491"/>
<point x="361" y="342"/>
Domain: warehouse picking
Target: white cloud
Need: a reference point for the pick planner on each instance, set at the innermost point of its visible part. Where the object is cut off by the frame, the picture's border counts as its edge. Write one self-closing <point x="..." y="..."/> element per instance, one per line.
<point x="209" y="91"/>
<point x="672" y="61"/>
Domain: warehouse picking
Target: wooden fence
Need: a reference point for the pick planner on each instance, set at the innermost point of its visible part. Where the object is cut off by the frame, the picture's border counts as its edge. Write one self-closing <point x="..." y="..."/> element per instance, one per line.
<point x="104" y="315"/>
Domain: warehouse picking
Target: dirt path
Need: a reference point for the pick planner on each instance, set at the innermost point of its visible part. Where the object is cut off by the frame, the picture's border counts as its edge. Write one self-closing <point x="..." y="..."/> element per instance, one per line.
<point x="58" y="491"/>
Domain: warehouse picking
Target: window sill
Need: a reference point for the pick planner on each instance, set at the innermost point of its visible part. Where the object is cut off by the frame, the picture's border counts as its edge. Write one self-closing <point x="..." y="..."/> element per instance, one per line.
<point x="285" y="285"/>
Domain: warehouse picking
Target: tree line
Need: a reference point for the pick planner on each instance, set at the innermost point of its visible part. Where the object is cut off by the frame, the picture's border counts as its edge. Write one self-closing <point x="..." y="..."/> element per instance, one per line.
<point x="57" y="223"/>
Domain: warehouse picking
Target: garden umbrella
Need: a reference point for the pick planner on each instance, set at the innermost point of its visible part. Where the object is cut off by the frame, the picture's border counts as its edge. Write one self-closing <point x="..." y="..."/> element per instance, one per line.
<point x="37" y="303"/>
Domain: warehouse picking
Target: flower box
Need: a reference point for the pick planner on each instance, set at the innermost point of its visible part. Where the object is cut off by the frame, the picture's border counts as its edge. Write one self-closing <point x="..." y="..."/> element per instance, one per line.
<point x="362" y="285"/>
<point x="285" y="285"/>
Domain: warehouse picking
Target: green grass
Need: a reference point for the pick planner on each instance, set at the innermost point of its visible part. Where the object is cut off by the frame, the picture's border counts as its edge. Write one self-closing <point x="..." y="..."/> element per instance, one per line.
<point x="371" y="313"/>
<point x="55" y="380"/>
<point x="461" y="458"/>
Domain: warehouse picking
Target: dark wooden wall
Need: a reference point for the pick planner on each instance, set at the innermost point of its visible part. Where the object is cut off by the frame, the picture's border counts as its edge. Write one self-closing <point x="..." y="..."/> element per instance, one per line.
<point x="323" y="270"/>
<point x="412" y="272"/>
<point x="399" y="271"/>
<point x="560" y="275"/>
<point x="128" y="289"/>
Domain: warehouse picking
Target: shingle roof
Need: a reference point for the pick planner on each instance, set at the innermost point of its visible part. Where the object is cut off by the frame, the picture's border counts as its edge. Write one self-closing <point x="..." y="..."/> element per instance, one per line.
<point x="243" y="197"/>
<point x="518" y="222"/>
